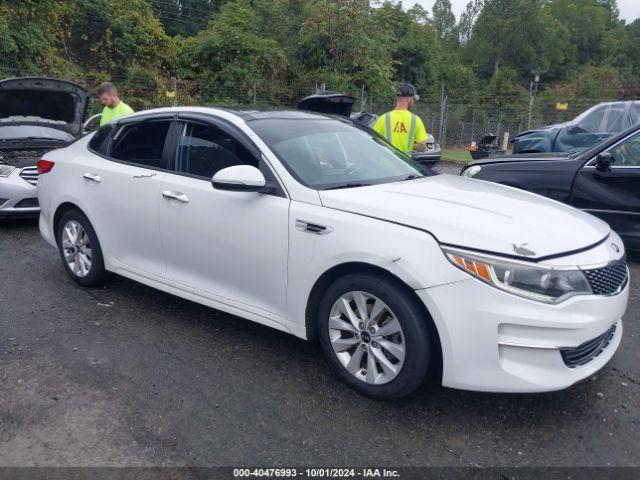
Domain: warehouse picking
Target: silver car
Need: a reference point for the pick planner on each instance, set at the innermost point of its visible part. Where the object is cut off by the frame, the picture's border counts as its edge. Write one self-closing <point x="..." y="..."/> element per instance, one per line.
<point x="37" y="115"/>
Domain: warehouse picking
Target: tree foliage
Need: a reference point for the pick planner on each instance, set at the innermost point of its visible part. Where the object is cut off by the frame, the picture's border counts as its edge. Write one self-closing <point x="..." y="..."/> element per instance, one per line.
<point x="230" y="47"/>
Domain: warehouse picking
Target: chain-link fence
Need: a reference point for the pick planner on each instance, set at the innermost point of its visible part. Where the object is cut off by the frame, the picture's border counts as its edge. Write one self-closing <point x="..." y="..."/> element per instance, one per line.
<point x="455" y="121"/>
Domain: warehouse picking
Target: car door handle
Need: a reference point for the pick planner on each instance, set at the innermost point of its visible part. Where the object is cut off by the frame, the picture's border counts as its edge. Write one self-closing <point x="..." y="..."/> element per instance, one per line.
<point x="181" y="197"/>
<point x="92" y="177"/>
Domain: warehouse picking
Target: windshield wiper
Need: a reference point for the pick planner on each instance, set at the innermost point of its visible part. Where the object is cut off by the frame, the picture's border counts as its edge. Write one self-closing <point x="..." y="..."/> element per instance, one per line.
<point x="411" y="177"/>
<point x="348" y="185"/>
<point x="42" y="138"/>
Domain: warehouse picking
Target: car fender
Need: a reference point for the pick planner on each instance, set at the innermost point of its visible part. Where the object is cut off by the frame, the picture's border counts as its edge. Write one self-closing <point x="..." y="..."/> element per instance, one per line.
<point x="411" y="255"/>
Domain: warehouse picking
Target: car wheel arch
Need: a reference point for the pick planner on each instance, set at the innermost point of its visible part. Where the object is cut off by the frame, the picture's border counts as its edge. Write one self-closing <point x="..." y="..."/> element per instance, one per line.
<point x="60" y="211"/>
<point x="337" y="271"/>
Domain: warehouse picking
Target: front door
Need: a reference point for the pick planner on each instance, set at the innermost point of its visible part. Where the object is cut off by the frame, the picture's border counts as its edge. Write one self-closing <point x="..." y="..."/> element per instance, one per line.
<point x="232" y="245"/>
<point x="614" y="195"/>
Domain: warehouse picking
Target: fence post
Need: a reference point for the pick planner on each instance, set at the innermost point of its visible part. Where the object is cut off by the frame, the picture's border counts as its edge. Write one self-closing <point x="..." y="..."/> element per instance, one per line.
<point x="442" y="104"/>
<point x="473" y="126"/>
<point x="505" y="141"/>
<point x="255" y="95"/>
<point x="174" y="85"/>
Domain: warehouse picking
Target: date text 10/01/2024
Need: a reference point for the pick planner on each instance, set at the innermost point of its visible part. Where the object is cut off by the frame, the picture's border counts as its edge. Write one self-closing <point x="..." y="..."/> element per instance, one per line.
<point x="315" y="473"/>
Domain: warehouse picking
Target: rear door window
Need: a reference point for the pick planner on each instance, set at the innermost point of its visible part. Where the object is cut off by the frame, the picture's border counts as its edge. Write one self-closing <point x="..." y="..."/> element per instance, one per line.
<point x="141" y="143"/>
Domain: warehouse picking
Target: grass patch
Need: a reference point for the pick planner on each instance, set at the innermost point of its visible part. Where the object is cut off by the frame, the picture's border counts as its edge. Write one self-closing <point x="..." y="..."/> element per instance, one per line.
<point x="460" y="155"/>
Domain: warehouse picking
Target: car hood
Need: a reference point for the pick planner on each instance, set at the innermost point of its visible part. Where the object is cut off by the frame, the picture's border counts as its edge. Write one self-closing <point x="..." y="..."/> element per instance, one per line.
<point x="546" y="128"/>
<point x="475" y="214"/>
<point x="47" y="102"/>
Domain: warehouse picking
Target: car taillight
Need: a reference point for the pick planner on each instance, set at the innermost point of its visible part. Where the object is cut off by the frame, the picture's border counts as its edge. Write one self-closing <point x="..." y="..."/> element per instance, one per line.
<point x="45" y="166"/>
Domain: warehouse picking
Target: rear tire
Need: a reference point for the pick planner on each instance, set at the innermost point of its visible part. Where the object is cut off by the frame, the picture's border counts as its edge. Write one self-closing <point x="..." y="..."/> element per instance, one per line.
<point x="385" y="352"/>
<point x="80" y="249"/>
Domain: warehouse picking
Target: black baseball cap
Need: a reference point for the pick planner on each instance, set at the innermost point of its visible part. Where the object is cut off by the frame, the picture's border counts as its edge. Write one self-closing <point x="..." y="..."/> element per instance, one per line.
<point x="407" y="90"/>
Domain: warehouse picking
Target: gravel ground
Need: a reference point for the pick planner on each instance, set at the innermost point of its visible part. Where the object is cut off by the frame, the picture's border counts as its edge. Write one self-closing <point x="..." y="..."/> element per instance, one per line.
<point x="128" y="375"/>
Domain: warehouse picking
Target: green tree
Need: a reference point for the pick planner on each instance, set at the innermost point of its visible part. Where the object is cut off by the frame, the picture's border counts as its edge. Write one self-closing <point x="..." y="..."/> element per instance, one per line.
<point x="185" y="17"/>
<point x="592" y="27"/>
<point x="414" y="43"/>
<point x="518" y="34"/>
<point x="232" y="56"/>
<point x="27" y="43"/>
<point x="339" y="45"/>
<point x="468" y="19"/>
<point x="111" y="35"/>
<point x="444" y="21"/>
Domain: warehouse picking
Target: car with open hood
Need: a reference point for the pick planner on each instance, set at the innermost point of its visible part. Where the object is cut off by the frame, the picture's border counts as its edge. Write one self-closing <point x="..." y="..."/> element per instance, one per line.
<point x="586" y="130"/>
<point x="313" y="225"/>
<point x="603" y="180"/>
<point x="36" y="115"/>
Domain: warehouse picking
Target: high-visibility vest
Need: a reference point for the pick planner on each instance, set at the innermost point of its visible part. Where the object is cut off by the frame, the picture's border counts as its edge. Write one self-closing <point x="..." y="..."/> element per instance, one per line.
<point x="407" y="145"/>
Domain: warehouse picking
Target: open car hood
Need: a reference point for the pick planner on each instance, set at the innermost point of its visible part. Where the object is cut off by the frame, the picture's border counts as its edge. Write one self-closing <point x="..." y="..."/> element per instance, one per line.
<point x="43" y="101"/>
<point x="477" y="215"/>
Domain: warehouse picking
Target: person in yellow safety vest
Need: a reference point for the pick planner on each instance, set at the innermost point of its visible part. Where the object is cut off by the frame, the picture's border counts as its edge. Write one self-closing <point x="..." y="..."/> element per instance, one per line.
<point x="403" y="129"/>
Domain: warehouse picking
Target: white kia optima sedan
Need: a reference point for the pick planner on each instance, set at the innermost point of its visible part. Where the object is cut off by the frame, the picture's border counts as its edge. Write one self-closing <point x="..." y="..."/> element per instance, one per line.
<point x="314" y="226"/>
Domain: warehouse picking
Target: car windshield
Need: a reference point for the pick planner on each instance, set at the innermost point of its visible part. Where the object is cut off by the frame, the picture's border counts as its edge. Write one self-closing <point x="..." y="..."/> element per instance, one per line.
<point x="608" y="117"/>
<point x="327" y="153"/>
<point x="33" y="132"/>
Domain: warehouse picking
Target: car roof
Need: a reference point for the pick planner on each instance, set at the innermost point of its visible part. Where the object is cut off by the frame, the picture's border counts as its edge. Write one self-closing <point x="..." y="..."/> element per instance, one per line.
<point x="246" y="115"/>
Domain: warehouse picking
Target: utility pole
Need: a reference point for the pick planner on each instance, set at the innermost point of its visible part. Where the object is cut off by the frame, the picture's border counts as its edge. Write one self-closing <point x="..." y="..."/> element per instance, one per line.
<point x="533" y="89"/>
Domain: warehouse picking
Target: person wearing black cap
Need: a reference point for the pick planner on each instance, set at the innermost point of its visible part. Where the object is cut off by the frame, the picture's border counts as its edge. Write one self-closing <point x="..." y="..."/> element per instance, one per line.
<point x="403" y="129"/>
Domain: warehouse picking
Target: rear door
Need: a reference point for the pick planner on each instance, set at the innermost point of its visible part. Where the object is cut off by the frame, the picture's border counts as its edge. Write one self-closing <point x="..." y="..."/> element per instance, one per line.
<point x="614" y="195"/>
<point x="231" y="245"/>
<point x="123" y="193"/>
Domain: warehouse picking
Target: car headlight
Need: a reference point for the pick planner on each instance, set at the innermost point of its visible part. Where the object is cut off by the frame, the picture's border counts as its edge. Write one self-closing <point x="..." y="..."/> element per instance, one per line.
<point x="5" y="170"/>
<point x="471" y="171"/>
<point x="536" y="283"/>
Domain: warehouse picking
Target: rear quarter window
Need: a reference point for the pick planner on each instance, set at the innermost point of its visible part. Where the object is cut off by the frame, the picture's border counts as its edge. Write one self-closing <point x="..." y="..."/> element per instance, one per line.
<point x="98" y="143"/>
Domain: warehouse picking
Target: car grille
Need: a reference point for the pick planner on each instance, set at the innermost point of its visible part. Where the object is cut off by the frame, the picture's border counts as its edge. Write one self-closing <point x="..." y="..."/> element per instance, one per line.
<point x="30" y="174"/>
<point x="583" y="354"/>
<point x="608" y="280"/>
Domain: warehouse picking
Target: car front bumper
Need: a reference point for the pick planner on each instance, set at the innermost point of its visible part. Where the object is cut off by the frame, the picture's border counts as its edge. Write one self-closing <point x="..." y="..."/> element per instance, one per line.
<point x="18" y="197"/>
<point x="495" y="341"/>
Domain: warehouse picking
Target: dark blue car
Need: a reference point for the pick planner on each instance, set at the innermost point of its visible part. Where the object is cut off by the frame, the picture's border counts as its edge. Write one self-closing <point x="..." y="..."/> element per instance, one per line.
<point x="587" y="129"/>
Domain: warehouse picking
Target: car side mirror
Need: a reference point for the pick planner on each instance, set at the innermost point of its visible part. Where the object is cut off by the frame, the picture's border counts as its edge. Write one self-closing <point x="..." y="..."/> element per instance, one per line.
<point x="239" y="178"/>
<point x="604" y="161"/>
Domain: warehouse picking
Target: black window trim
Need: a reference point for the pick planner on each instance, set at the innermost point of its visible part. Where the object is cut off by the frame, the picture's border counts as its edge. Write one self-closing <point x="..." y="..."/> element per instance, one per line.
<point x="106" y="143"/>
<point x="228" y="127"/>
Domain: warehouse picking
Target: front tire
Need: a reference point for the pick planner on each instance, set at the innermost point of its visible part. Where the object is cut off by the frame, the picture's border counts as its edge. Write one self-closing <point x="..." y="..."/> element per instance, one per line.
<point x="375" y="335"/>
<point x="80" y="249"/>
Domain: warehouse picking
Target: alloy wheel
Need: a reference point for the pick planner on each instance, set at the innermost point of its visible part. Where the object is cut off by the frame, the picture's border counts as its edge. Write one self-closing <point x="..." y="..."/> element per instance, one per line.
<point x="76" y="248"/>
<point x="367" y="337"/>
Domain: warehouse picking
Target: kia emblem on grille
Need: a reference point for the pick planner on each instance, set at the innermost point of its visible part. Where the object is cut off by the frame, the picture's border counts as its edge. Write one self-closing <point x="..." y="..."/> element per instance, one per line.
<point x="615" y="247"/>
